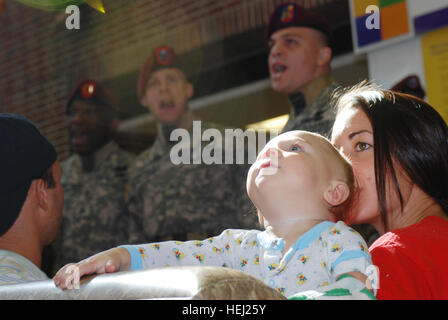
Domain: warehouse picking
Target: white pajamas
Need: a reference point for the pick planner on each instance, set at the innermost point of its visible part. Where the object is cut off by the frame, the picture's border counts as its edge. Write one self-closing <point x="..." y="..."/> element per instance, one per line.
<point x="316" y="259"/>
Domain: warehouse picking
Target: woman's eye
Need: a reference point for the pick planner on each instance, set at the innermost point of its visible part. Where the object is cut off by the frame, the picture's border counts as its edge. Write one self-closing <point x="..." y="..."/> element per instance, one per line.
<point x="362" y="146"/>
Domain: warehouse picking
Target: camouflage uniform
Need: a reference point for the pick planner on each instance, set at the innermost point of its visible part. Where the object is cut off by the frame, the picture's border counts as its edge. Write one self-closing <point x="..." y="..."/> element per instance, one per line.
<point x="95" y="216"/>
<point x="318" y="116"/>
<point x="315" y="115"/>
<point x="186" y="201"/>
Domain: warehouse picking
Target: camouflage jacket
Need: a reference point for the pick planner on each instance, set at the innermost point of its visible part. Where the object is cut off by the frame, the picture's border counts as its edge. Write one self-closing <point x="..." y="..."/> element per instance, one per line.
<point x="186" y="201"/>
<point x="311" y="110"/>
<point x="95" y="217"/>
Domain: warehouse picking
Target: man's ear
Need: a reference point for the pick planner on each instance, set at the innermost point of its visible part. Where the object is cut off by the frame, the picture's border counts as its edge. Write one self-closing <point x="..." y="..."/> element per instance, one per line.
<point x="190" y="90"/>
<point x="144" y="100"/>
<point x="113" y="125"/>
<point x="336" y="193"/>
<point x="324" y="56"/>
<point x="39" y="189"/>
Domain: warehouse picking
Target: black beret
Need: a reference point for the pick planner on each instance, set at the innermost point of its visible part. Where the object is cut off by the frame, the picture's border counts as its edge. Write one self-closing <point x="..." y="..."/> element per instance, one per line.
<point x="25" y="156"/>
<point x="292" y="15"/>
<point x="160" y="58"/>
<point x="93" y="92"/>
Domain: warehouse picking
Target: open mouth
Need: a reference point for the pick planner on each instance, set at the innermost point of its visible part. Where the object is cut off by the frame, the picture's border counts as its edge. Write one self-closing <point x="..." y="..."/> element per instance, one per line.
<point x="166" y="105"/>
<point x="277" y="69"/>
<point x="78" y="137"/>
<point x="267" y="164"/>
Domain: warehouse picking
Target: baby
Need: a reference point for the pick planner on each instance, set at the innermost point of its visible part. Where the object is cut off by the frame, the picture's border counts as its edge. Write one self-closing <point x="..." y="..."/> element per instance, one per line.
<point x="300" y="185"/>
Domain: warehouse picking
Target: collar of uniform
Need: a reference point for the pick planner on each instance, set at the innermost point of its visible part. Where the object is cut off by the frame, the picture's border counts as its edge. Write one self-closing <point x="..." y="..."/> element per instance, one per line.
<point x="99" y="155"/>
<point x="186" y="122"/>
<point x="311" y="90"/>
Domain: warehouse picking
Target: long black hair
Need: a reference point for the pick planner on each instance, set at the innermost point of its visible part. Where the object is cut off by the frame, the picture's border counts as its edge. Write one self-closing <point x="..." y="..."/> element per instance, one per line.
<point x="406" y="131"/>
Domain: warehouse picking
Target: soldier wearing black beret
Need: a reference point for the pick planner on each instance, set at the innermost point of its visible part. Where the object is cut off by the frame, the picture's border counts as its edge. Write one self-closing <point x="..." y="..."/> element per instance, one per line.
<point x="31" y="198"/>
<point x="299" y="65"/>
<point x="300" y="52"/>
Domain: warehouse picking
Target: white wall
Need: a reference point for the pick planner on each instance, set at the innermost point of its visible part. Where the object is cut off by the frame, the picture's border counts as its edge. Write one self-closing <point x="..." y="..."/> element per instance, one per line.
<point x="390" y="64"/>
<point x="420" y="7"/>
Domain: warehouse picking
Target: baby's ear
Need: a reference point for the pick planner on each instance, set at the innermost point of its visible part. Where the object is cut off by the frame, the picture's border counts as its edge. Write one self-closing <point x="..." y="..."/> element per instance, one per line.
<point x="337" y="193"/>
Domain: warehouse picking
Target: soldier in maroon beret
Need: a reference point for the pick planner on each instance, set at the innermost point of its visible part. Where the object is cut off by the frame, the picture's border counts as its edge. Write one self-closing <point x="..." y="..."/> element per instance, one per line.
<point x="180" y="201"/>
<point x="92" y="116"/>
<point x="163" y="88"/>
<point x="94" y="177"/>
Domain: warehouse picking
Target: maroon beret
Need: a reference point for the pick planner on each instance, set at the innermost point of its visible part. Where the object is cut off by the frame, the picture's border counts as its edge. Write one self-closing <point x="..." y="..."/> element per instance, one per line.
<point x="91" y="91"/>
<point x="410" y="85"/>
<point x="292" y="15"/>
<point x="160" y="58"/>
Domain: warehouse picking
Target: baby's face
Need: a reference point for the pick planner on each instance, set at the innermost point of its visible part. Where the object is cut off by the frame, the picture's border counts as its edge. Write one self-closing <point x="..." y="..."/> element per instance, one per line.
<point x="295" y="163"/>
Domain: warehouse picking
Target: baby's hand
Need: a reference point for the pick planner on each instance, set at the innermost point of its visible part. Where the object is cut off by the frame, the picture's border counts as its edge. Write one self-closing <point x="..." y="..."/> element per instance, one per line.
<point x="113" y="260"/>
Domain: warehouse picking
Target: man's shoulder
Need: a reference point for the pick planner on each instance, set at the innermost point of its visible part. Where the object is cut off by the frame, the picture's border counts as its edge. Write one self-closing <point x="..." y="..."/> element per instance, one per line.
<point x="70" y="161"/>
<point x="213" y="125"/>
<point x="120" y="155"/>
<point x="71" y="167"/>
<point x="144" y="155"/>
<point x="17" y="269"/>
<point x="318" y="116"/>
<point x="324" y="98"/>
<point x="142" y="160"/>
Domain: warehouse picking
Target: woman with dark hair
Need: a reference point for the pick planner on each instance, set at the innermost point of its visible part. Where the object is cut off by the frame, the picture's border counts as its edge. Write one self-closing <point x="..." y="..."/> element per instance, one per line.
<point x="398" y="146"/>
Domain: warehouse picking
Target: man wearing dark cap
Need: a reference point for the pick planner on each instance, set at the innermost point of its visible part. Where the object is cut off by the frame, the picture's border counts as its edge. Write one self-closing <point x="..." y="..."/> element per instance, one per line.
<point x="299" y="65"/>
<point x="31" y="199"/>
<point x="94" y="177"/>
<point x="183" y="201"/>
